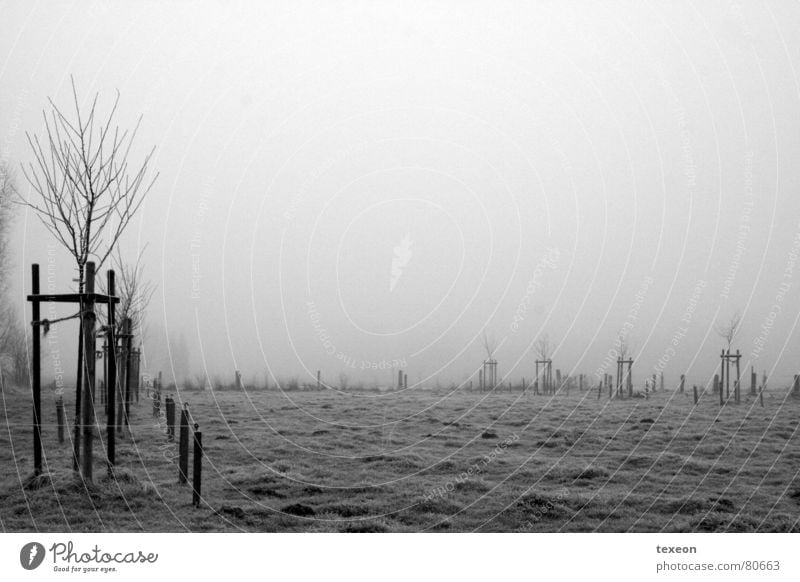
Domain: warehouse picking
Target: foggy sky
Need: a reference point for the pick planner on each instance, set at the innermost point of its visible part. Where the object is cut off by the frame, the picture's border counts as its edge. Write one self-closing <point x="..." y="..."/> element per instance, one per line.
<point x="356" y="185"/>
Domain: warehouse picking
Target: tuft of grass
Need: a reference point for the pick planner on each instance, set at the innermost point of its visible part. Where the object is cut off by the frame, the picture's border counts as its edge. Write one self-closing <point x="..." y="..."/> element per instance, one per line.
<point x="716" y="521"/>
<point x="436" y="505"/>
<point x="365" y="527"/>
<point x="299" y="509"/>
<point x="590" y="473"/>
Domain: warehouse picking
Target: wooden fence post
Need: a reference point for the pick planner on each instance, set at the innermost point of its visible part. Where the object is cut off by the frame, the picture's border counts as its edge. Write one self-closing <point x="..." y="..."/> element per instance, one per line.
<point x="122" y="364"/>
<point x="761" y="396"/>
<point x="112" y="379"/>
<point x="683" y="382"/>
<point x="170" y="403"/>
<point x="198" y="466"/>
<point x="630" y="382"/>
<point x="128" y="368"/>
<point x="183" y="445"/>
<point x="694" y="389"/>
<point x="88" y="380"/>
<point x="157" y="397"/>
<point x="36" y="378"/>
<point x="60" y="419"/>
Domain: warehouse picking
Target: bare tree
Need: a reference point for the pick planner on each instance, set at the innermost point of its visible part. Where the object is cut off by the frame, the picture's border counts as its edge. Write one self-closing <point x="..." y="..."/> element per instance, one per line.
<point x="489" y="344"/>
<point x="85" y="191"/>
<point x="13" y="343"/>
<point x="544" y="347"/>
<point x="624" y="347"/>
<point x="14" y="347"/>
<point x="727" y="330"/>
<point x="7" y="191"/>
<point x="134" y="292"/>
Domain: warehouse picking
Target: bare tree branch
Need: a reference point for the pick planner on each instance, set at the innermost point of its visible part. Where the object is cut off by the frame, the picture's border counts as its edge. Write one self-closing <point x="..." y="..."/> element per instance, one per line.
<point x="489" y="344"/>
<point x="85" y="192"/>
<point x="543" y="346"/>
<point x="727" y="330"/>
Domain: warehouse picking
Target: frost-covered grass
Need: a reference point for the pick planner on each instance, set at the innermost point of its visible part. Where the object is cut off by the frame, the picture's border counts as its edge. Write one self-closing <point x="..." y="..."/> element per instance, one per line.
<point x="423" y="461"/>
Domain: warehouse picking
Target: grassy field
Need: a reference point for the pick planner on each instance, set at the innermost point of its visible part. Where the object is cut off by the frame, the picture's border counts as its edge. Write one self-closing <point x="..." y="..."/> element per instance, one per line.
<point x="423" y="461"/>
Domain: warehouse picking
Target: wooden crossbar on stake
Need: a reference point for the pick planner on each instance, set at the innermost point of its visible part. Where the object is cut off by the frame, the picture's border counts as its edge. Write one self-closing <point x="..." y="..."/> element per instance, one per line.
<point x="726" y="358"/>
<point x="85" y="386"/>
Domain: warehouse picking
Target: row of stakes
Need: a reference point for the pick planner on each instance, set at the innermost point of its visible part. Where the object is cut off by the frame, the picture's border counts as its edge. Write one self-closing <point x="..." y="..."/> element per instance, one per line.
<point x="183" y="442"/>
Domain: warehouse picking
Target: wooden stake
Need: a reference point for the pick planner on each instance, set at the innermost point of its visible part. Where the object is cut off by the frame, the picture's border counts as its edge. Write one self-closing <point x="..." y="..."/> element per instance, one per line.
<point x="198" y="466"/>
<point x="88" y="381"/>
<point x="122" y="374"/>
<point x="36" y="377"/>
<point x="60" y="419"/>
<point x="111" y="371"/>
<point x="76" y="437"/>
<point x="128" y="368"/>
<point x="170" y="403"/>
<point x="694" y="389"/>
<point x="183" y="445"/>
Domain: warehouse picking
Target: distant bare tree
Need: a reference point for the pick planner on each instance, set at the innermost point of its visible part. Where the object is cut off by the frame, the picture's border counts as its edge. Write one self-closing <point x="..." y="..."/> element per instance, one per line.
<point x="727" y="330"/>
<point x="13" y="343"/>
<point x="489" y="344"/>
<point x="544" y="347"/>
<point x="14" y="346"/>
<point x="624" y="347"/>
<point x="7" y="192"/>
<point x="134" y="292"/>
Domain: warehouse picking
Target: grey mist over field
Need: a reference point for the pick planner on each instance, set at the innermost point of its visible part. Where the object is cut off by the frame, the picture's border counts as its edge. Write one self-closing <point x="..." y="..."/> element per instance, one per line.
<point x="348" y="187"/>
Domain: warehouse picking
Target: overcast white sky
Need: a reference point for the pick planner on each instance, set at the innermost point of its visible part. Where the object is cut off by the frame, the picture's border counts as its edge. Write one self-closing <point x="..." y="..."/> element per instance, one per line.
<point x="346" y="183"/>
